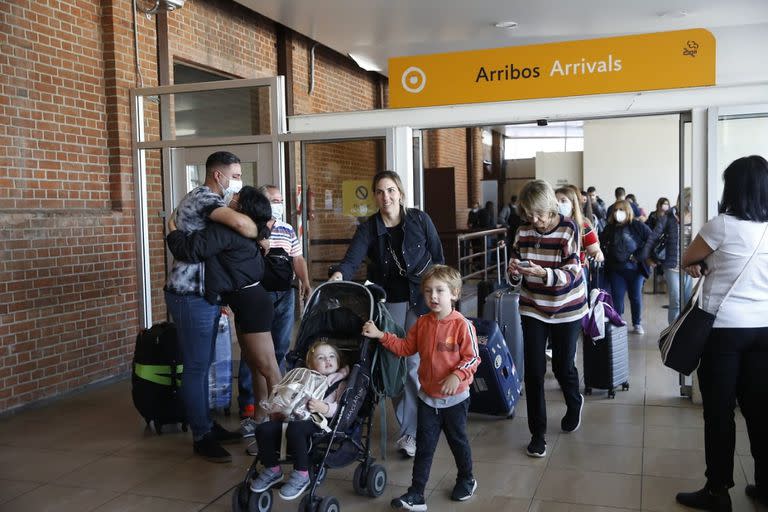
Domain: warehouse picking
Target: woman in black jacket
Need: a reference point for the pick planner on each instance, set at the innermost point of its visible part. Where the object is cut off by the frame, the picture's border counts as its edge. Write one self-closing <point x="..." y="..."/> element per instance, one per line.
<point x="399" y="244"/>
<point x="234" y="267"/>
<point x="624" y="240"/>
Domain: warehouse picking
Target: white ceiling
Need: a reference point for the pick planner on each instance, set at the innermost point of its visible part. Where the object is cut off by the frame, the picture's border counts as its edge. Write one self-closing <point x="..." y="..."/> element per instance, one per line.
<point x="379" y="29"/>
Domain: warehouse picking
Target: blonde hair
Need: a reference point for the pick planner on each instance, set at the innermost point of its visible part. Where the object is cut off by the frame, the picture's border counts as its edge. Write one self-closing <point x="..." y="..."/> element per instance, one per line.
<point x="444" y="273"/>
<point x="570" y="194"/>
<point x="310" y="359"/>
<point x="391" y="175"/>
<point x="624" y="205"/>
<point x="537" y="198"/>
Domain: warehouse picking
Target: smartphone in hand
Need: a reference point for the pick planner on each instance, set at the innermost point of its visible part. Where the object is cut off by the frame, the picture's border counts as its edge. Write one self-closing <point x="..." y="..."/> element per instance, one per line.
<point x="524" y="264"/>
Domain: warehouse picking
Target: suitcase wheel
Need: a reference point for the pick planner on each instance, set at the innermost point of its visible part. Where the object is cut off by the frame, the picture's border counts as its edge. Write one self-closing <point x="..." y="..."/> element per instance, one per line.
<point x="625" y="386"/>
<point x="511" y="414"/>
<point x="587" y="391"/>
<point x="184" y="427"/>
<point x="611" y="393"/>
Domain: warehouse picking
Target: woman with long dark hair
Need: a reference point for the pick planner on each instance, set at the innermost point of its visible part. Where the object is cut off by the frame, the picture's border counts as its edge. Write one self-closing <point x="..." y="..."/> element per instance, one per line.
<point x="735" y="360"/>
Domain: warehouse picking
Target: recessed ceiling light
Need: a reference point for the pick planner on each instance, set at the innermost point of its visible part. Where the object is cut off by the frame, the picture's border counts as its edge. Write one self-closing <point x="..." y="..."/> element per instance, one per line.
<point x="678" y="13"/>
<point x="506" y="24"/>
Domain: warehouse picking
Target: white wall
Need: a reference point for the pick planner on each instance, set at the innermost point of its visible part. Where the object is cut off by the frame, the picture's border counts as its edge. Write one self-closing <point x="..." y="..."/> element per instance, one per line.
<point x="560" y="169"/>
<point x="640" y="154"/>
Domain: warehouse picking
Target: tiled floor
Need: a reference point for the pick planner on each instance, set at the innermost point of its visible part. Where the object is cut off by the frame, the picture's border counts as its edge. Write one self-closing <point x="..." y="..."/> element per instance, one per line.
<point x="90" y="452"/>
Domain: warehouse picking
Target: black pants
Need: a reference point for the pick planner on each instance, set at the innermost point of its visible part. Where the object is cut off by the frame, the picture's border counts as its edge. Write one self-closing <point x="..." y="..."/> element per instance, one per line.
<point x="430" y="421"/>
<point x="564" y="338"/>
<point x="734" y="365"/>
<point x="298" y="434"/>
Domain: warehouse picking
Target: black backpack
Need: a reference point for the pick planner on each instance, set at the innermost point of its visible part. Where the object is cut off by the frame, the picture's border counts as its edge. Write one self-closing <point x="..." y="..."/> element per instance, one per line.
<point x="278" y="271"/>
<point x="156" y="377"/>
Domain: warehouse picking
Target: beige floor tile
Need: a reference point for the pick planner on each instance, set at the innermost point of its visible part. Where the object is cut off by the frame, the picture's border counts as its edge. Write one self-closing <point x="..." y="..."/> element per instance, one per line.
<point x="38" y="465"/>
<point x="10" y="489"/>
<point x="115" y="473"/>
<point x="440" y="501"/>
<point x="135" y="503"/>
<point x="747" y="464"/>
<point x="495" y="479"/>
<point x="681" y="417"/>
<point x="555" y="506"/>
<point x="674" y="438"/>
<point x="679" y="464"/>
<point x="612" y="434"/>
<point x="58" y="498"/>
<point x="596" y="457"/>
<point x="599" y="412"/>
<point x="590" y="488"/>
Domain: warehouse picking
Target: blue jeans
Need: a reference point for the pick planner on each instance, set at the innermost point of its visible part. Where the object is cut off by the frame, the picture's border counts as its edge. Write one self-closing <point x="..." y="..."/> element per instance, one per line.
<point x="627" y="280"/>
<point x="282" y="328"/>
<point x="672" y="276"/>
<point x="197" y="323"/>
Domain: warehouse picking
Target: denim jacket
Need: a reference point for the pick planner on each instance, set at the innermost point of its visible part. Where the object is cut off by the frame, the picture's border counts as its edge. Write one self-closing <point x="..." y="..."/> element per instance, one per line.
<point x="421" y="250"/>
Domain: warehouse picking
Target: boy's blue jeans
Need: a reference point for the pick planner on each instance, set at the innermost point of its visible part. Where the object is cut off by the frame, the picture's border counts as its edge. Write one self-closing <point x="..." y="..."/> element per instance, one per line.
<point x="452" y="421"/>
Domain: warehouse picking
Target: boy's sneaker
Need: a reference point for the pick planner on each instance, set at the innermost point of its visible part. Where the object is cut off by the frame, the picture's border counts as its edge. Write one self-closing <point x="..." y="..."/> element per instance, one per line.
<point x="464" y="489"/>
<point x="572" y="419"/>
<point x="537" y="447"/>
<point x="248" y="427"/>
<point x="410" y="501"/>
<point x="210" y="449"/>
<point x="407" y="445"/>
<point x="252" y="449"/>
<point x="247" y="411"/>
<point x="223" y="435"/>
<point x="266" y="479"/>
<point x="295" y="486"/>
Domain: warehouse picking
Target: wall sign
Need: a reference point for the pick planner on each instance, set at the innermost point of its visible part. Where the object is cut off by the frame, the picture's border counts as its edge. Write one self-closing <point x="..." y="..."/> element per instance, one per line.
<point x="663" y="60"/>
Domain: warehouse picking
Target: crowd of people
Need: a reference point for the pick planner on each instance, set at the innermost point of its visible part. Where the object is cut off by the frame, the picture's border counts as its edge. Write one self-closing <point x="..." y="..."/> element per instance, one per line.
<point x="554" y="235"/>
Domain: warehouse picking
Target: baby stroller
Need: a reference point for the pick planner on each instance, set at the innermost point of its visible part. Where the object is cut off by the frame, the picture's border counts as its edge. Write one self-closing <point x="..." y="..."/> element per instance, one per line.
<point x="336" y="311"/>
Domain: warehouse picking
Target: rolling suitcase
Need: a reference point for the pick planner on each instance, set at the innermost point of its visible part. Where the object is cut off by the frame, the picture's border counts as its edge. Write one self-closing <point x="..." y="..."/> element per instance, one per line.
<point x="220" y="372"/>
<point x="496" y="387"/>
<point x="487" y="287"/>
<point x="606" y="361"/>
<point x="503" y="307"/>
<point x="156" y="377"/>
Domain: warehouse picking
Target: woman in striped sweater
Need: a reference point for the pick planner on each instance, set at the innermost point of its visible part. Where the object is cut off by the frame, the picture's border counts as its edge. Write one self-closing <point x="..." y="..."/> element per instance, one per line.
<point x="552" y="301"/>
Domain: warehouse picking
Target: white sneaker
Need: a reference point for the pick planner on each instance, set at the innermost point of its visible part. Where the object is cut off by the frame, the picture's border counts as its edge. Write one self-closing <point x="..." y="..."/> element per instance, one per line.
<point x="638" y="329"/>
<point x="407" y="445"/>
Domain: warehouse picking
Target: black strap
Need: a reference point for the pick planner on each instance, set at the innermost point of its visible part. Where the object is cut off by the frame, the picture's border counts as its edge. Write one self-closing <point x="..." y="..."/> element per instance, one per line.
<point x="333" y="387"/>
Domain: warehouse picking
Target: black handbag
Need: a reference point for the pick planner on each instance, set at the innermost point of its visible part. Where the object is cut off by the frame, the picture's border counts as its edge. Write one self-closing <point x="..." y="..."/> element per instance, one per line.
<point x="682" y="343"/>
<point x="278" y="271"/>
<point x="660" y="249"/>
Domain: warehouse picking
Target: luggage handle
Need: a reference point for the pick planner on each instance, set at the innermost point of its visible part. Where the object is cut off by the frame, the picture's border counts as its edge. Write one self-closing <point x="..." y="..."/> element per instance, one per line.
<point x="499" y="246"/>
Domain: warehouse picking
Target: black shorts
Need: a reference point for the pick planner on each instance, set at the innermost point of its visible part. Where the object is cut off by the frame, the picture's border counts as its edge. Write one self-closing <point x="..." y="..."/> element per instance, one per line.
<point x="252" y="307"/>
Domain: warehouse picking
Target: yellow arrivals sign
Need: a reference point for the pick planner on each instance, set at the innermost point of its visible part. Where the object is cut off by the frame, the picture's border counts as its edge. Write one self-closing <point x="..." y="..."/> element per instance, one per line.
<point x="357" y="199"/>
<point x="664" y="60"/>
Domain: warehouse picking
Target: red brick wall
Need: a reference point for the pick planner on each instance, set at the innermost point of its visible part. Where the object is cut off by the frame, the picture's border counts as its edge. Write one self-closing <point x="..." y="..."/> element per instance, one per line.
<point x="68" y="302"/>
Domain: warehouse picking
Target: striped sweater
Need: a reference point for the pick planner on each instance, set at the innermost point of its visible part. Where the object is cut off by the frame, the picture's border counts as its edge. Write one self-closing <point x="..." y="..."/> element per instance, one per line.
<point x="560" y="296"/>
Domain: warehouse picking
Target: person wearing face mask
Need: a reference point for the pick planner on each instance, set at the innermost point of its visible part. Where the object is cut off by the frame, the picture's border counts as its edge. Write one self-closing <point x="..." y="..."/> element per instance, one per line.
<point x="666" y="232"/>
<point x="234" y="268"/>
<point x="283" y="240"/>
<point x="553" y="299"/>
<point x="400" y="244"/>
<point x="590" y="245"/>
<point x="625" y="242"/>
<point x="197" y="319"/>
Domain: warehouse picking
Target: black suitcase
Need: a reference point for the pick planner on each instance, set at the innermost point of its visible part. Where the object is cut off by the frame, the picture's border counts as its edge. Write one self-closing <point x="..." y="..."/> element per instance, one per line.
<point x="606" y="361"/>
<point x="496" y="387"/>
<point x="156" y="377"/>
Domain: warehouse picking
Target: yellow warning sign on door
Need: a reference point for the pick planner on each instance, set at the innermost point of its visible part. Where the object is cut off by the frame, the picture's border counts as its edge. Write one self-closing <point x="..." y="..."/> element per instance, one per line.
<point x="357" y="198"/>
<point x="663" y="60"/>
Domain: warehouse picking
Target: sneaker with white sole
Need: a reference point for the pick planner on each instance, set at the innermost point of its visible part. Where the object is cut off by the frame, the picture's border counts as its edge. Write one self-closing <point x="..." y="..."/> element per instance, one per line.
<point x="409" y="501"/>
<point x="407" y="445"/>
<point x="572" y="419"/>
<point x="266" y="479"/>
<point x="537" y="447"/>
<point x="248" y="427"/>
<point x="638" y="329"/>
<point x="464" y="489"/>
<point x="252" y="449"/>
<point x="295" y="486"/>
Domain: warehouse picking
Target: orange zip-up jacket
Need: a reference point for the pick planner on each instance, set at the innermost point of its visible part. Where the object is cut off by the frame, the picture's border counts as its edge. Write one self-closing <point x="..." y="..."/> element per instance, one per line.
<point x="445" y="346"/>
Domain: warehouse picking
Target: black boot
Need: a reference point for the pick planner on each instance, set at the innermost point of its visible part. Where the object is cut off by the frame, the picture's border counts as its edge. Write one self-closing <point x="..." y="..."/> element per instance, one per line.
<point x="757" y="494"/>
<point x="706" y="499"/>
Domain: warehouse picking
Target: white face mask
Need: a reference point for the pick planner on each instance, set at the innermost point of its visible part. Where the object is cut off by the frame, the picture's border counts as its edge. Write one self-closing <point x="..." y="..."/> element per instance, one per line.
<point x="278" y="211"/>
<point x="235" y="186"/>
<point x="565" y="209"/>
<point x="620" y="216"/>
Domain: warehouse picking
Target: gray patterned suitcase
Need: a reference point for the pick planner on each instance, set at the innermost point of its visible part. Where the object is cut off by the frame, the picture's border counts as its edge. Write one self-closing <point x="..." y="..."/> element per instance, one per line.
<point x="606" y="361"/>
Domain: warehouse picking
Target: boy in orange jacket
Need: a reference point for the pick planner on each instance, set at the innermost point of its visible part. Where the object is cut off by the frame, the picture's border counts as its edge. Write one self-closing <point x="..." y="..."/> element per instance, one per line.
<point x="447" y="345"/>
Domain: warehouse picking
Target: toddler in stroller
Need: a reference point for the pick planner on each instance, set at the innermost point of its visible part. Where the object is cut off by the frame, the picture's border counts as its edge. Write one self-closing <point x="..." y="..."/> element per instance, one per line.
<point x="329" y="333"/>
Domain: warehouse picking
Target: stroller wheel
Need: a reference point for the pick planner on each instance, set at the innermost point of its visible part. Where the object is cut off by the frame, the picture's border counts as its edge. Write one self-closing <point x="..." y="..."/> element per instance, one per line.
<point x="240" y="498"/>
<point x="376" y="481"/>
<point x="329" y="504"/>
<point x="359" y="480"/>
<point x="260" y="502"/>
<point x="307" y="504"/>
